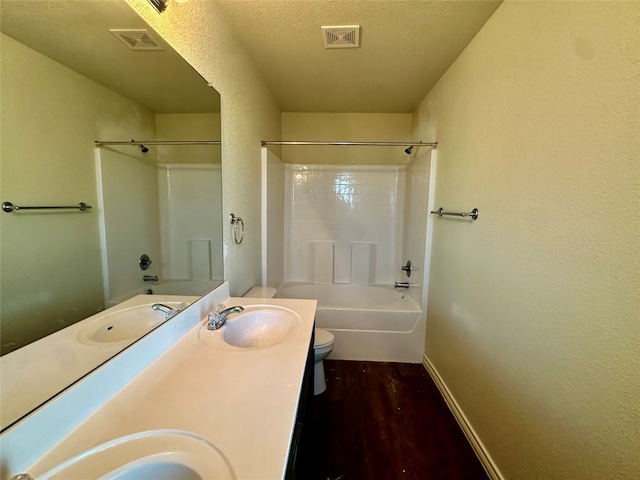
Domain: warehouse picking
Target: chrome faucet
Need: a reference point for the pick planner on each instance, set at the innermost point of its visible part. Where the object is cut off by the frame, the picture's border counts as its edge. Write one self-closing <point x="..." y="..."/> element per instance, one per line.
<point x="401" y="285"/>
<point x="168" y="311"/>
<point x="150" y="278"/>
<point x="218" y="317"/>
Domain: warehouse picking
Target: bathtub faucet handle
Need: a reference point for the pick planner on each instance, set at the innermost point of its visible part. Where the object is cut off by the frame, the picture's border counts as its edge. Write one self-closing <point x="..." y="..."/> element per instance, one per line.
<point x="401" y="285"/>
<point x="407" y="268"/>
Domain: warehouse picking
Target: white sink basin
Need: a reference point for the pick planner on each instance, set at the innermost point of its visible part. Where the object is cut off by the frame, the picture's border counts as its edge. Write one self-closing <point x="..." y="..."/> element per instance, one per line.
<point x="123" y="325"/>
<point x="259" y="326"/>
<point x="154" y="454"/>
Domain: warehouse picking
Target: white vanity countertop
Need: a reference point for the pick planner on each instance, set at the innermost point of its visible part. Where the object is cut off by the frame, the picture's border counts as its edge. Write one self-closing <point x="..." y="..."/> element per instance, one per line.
<point x="243" y="401"/>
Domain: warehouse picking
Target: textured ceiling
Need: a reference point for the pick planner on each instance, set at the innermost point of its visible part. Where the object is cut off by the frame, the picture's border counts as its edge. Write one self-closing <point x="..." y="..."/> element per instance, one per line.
<point x="76" y="34"/>
<point x="406" y="46"/>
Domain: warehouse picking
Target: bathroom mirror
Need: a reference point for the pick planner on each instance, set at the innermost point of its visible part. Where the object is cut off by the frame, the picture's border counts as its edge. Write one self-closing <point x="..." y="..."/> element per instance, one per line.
<point x="68" y="80"/>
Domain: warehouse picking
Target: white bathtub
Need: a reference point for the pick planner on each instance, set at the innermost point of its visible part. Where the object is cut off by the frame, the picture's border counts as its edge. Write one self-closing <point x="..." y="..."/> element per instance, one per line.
<point x="369" y="322"/>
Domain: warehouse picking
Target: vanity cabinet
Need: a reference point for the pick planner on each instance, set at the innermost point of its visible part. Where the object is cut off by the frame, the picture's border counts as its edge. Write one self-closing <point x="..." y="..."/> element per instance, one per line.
<point x="300" y="453"/>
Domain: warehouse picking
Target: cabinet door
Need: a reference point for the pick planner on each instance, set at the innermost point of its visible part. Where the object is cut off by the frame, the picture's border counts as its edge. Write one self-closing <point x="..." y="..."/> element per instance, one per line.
<point x="299" y="460"/>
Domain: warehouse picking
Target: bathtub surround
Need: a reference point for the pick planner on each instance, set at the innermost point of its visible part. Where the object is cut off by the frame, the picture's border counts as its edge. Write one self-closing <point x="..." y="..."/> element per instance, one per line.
<point x="344" y="223"/>
<point x="533" y="309"/>
<point x="344" y="242"/>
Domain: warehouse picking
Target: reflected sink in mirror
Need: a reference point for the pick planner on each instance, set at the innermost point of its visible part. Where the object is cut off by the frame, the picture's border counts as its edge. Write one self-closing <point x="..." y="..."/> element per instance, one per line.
<point x="125" y="325"/>
<point x="156" y="454"/>
<point x="259" y="326"/>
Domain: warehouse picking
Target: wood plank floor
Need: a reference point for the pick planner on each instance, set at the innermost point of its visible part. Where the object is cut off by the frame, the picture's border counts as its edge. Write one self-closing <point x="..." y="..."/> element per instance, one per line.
<point x="386" y="421"/>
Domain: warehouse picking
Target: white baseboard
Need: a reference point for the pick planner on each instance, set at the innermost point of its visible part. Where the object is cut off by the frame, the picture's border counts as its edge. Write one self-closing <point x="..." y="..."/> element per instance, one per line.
<point x="470" y="433"/>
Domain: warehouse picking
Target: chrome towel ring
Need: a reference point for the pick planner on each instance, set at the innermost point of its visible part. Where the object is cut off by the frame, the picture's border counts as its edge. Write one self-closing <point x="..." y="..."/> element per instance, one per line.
<point x="238" y="233"/>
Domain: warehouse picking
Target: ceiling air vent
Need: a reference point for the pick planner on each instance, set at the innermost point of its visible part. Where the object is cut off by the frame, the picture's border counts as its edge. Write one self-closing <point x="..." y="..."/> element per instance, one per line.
<point x="341" y="37"/>
<point x="138" y="39"/>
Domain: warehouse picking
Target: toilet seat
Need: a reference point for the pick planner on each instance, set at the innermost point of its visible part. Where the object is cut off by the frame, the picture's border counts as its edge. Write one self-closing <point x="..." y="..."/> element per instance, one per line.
<point x="322" y="338"/>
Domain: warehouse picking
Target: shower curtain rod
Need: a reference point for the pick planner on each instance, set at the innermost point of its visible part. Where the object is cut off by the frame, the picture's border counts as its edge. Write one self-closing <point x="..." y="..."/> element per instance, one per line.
<point x="100" y="143"/>
<point x="361" y="144"/>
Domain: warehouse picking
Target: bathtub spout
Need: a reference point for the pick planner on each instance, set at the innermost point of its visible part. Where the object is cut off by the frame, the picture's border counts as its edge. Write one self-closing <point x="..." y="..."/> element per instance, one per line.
<point x="401" y="285"/>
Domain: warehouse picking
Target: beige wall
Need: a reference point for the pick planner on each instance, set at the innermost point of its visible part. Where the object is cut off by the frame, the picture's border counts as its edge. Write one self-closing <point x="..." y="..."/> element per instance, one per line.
<point x="533" y="319"/>
<point x="249" y="114"/>
<point x="51" y="271"/>
<point x="346" y="127"/>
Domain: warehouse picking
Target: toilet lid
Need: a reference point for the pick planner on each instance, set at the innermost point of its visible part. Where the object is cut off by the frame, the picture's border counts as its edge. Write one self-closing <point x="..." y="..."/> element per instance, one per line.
<point x="322" y="337"/>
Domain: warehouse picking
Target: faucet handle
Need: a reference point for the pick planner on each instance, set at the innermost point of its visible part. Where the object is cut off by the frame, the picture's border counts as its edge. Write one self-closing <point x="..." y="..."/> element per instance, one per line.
<point x="407" y="268"/>
<point x="214" y="315"/>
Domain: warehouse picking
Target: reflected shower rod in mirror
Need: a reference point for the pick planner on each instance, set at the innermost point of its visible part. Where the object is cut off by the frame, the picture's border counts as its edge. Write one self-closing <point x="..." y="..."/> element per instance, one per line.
<point x="360" y="144"/>
<point x="100" y="143"/>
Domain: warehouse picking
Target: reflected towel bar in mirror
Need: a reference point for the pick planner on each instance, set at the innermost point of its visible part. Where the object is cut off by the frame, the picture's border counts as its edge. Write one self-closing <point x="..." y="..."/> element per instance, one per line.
<point x="9" y="207"/>
<point x="473" y="213"/>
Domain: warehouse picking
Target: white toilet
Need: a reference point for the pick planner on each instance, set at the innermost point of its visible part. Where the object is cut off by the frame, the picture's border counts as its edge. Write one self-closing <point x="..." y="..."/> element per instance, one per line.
<point x="322" y="344"/>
